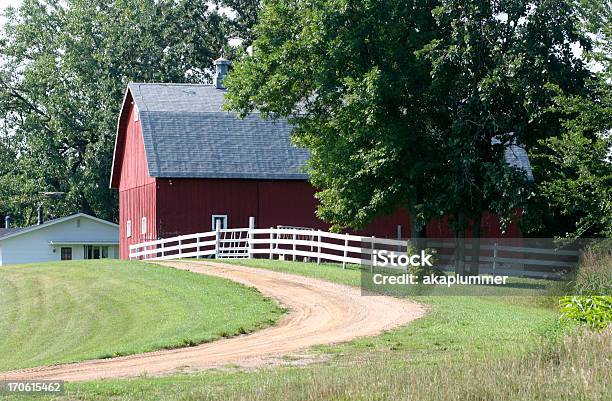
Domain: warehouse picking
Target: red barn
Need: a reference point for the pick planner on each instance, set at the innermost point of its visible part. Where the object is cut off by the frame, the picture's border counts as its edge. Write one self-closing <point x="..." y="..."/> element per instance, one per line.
<point x="181" y="162"/>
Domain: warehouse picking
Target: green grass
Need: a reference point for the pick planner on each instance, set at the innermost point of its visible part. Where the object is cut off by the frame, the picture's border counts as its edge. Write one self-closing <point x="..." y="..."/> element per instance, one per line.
<point x="325" y="271"/>
<point x="577" y="370"/>
<point x="71" y="311"/>
<point x="466" y="348"/>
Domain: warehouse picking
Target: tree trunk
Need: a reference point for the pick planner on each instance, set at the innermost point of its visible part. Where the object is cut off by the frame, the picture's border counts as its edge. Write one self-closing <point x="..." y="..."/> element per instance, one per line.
<point x="476" y="232"/>
<point x="460" y="245"/>
<point x="418" y="233"/>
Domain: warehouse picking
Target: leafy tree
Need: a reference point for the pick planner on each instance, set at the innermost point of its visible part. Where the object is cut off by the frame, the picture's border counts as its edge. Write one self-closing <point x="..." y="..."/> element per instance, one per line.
<point x="63" y="72"/>
<point x="491" y="65"/>
<point x="346" y="74"/>
<point x="242" y="19"/>
<point x="400" y="101"/>
<point x="574" y="188"/>
<point x="573" y="197"/>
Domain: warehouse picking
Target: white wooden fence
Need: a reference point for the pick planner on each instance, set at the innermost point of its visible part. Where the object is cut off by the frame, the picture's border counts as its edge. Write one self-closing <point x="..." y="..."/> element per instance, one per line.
<point x="321" y="246"/>
<point x="184" y="246"/>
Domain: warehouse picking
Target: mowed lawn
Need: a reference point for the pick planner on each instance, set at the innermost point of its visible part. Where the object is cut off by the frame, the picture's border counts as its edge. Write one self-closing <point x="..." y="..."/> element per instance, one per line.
<point x="466" y="348"/>
<point x="71" y="311"/>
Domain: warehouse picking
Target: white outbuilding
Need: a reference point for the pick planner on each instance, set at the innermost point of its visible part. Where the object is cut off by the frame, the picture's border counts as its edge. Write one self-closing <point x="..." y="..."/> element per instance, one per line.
<point x="74" y="237"/>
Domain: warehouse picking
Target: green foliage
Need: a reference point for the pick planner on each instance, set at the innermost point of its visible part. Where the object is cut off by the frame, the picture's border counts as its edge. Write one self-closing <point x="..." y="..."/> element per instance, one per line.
<point x="421" y="271"/>
<point x="244" y="18"/>
<point x="573" y="170"/>
<point x="596" y="18"/>
<point x="592" y="311"/>
<point x="591" y="304"/>
<point x="399" y="101"/>
<point x="490" y="64"/>
<point x="573" y="196"/>
<point x="346" y="74"/>
<point x="65" y="66"/>
<point x="594" y="275"/>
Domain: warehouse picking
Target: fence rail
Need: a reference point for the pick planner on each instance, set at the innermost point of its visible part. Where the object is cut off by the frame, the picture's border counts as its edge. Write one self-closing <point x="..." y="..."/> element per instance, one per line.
<point x="321" y="246"/>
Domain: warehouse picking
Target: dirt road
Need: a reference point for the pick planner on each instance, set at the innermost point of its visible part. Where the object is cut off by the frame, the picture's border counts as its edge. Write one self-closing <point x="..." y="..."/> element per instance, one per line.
<point x="319" y="313"/>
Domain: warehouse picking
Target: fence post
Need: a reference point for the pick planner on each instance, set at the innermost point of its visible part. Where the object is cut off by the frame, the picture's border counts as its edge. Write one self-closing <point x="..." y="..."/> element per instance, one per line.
<point x="250" y="236"/>
<point x="163" y="251"/>
<point x="494" y="257"/>
<point x="372" y="260"/>
<point x="217" y="238"/>
<point x="319" y="248"/>
<point x="399" y="236"/>
<point x="180" y="248"/>
<point x="294" y="246"/>
<point x="271" y="242"/>
<point x="198" y="247"/>
<point x="345" y="252"/>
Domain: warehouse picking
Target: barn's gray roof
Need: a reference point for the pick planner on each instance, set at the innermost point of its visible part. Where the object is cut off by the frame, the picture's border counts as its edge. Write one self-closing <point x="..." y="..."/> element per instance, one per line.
<point x="516" y="156"/>
<point x="188" y="135"/>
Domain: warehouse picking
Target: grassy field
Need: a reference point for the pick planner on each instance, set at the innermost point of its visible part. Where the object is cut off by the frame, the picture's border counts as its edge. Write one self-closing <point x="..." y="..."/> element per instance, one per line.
<point x="467" y="348"/>
<point x="72" y="311"/>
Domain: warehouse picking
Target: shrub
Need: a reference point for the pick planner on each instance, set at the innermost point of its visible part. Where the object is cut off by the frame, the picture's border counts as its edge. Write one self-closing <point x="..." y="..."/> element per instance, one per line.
<point x="421" y="271"/>
<point x="592" y="311"/>
<point x="594" y="275"/>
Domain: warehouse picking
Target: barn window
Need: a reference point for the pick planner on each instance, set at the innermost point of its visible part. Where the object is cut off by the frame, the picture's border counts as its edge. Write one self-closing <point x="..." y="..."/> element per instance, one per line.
<point x="136" y="114"/>
<point x="221" y="218"/>
<point x="66" y="253"/>
<point x="128" y="228"/>
<point x="143" y="225"/>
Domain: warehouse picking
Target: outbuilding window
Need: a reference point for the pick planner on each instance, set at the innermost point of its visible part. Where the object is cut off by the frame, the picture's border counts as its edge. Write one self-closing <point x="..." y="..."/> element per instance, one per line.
<point x="143" y="225"/>
<point x="66" y="253"/>
<point x="95" y="252"/>
<point x="128" y="228"/>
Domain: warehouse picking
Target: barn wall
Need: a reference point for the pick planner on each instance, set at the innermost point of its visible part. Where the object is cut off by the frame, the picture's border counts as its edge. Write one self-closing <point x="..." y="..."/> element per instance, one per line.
<point x="441" y="228"/>
<point x="137" y="191"/>
<point x="134" y="169"/>
<point x="134" y="204"/>
<point x="293" y="203"/>
<point x="287" y="203"/>
<point x="186" y="206"/>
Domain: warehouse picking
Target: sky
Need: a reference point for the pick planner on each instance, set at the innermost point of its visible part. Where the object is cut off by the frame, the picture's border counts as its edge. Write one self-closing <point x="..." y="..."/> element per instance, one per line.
<point x="5" y="3"/>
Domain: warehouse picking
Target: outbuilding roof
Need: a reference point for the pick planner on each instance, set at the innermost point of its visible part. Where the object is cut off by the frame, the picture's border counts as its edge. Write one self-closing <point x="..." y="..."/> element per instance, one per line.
<point x="13" y="232"/>
<point x="5" y="232"/>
